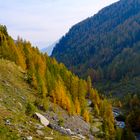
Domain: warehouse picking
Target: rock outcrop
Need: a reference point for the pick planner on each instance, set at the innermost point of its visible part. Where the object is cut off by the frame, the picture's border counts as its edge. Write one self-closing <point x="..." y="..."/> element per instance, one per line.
<point x="42" y="119"/>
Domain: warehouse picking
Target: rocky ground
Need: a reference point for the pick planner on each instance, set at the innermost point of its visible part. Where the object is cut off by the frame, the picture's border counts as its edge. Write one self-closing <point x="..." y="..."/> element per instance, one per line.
<point x="72" y="125"/>
<point x="61" y="118"/>
<point x="15" y="94"/>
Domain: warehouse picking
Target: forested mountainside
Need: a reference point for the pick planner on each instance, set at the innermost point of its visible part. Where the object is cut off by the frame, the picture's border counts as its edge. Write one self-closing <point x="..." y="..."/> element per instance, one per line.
<point x="30" y="81"/>
<point x="106" y="47"/>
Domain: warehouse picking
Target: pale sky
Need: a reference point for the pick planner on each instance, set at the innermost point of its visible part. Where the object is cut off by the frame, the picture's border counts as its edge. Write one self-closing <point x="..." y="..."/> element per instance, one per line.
<point x="43" y="22"/>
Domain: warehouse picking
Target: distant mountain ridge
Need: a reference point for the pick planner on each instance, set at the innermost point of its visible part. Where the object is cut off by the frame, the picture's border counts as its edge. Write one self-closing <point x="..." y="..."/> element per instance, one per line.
<point x="49" y="48"/>
<point x="105" y="46"/>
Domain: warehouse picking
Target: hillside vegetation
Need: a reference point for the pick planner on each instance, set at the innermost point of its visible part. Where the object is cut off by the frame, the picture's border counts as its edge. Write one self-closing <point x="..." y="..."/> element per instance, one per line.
<point x="15" y="95"/>
<point x="30" y="81"/>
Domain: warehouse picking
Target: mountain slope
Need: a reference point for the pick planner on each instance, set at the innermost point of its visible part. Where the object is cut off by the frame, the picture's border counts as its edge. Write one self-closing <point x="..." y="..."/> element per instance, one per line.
<point x="105" y="46"/>
<point x="15" y="94"/>
<point x="48" y="49"/>
<point x="32" y="82"/>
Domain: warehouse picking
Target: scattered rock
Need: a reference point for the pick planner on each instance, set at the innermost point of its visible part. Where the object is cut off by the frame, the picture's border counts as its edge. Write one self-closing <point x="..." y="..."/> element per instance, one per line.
<point x="38" y="126"/>
<point x="71" y="122"/>
<point x="69" y="132"/>
<point x="19" y="130"/>
<point x="75" y="137"/>
<point x="39" y="132"/>
<point x="60" y="129"/>
<point x="7" y="122"/>
<point x="42" y="119"/>
<point x="48" y="138"/>
<point x="78" y="131"/>
<point x="79" y="137"/>
<point x="120" y="124"/>
<point x="65" y="131"/>
<point x="96" y="120"/>
<point x="89" y="102"/>
<point x="6" y="83"/>
<point x="29" y="138"/>
<point x="95" y="129"/>
<point x="91" y="137"/>
<point x="21" y="126"/>
<point x="23" y="98"/>
<point x="82" y="137"/>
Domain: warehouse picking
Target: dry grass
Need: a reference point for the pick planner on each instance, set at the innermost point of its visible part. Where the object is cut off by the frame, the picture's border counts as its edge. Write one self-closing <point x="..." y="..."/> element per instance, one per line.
<point x="15" y="93"/>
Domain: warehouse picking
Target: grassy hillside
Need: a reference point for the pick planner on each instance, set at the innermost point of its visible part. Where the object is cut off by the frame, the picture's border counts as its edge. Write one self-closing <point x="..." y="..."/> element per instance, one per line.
<point x="15" y="94"/>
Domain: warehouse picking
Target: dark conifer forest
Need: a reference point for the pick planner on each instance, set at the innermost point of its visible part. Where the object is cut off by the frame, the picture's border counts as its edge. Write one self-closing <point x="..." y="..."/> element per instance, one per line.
<point x="106" y="47"/>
